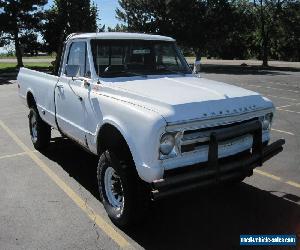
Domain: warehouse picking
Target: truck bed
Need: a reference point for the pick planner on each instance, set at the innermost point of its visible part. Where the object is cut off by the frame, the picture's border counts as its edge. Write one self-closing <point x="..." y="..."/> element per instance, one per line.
<point x="41" y="86"/>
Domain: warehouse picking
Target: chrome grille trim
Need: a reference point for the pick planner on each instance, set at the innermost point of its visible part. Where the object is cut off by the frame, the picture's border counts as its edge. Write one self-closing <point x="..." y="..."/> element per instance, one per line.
<point x="202" y="137"/>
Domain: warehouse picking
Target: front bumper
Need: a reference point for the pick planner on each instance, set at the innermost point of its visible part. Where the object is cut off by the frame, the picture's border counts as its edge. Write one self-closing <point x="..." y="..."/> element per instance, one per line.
<point x="215" y="170"/>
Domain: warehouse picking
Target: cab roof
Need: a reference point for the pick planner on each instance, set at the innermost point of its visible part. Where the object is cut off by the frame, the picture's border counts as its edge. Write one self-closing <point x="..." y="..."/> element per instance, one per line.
<point x="120" y="35"/>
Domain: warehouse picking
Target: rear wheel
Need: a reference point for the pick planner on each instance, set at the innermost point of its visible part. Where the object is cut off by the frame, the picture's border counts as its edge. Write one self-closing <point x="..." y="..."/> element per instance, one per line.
<point x="40" y="131"/>
<point x="121" y="191"/>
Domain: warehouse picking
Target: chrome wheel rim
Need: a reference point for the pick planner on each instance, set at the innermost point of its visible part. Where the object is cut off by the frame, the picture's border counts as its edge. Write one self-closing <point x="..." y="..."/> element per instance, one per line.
<point x="33" y="125"/>
<point x="114" y="189"/>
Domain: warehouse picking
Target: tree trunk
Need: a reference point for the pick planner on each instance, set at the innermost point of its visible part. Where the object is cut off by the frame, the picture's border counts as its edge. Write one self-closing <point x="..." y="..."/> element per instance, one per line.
<point x="265" y="52"/>
<point x="264" y="37"/>
<point x="18" y="50"/>
<point x="265" y="48"/>
<point x="197" y="54"/>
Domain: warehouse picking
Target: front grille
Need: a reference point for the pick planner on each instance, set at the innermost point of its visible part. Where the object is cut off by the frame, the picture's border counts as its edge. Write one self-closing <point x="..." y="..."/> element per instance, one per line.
<point x="194" y="139"/>
<point x="193" y="146"/>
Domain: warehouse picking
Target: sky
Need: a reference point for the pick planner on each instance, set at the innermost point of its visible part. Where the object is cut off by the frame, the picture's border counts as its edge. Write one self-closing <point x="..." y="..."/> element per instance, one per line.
<point x="107" y="11"/>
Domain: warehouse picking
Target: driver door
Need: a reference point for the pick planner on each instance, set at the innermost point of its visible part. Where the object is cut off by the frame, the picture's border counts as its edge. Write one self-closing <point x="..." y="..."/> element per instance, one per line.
<point x="69" y="95"/>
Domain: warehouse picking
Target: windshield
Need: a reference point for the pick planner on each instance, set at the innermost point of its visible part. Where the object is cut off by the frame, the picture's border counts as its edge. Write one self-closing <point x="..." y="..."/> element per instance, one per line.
<point x="113" y="58"/>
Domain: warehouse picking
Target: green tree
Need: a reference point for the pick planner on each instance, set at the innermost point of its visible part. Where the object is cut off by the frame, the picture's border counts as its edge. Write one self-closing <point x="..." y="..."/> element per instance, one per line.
<point x="173" y="18"/>
<point x="268" y="14"/>
<point x="237" y="31"/>
<point x="66" y="17"/>
<point x="289" y="40"/>
<point x="30" y="43"/>
<point x="118" y="28"/>
<point x="142" y="15"/>
<point x="18" y="17"/>
<point x="215" y="27"/>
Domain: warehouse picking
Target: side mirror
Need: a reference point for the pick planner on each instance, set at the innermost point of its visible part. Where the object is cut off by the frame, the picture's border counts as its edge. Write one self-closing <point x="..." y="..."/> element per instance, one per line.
<point x="72" y="70"/>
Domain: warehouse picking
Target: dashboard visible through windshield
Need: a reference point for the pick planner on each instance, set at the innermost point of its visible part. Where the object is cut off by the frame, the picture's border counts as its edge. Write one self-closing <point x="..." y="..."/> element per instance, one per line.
<point x="115" y="58"/>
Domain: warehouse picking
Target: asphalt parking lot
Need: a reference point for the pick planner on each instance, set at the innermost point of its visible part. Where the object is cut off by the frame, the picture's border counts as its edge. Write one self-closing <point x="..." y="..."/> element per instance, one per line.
<point x="49" y="200"/>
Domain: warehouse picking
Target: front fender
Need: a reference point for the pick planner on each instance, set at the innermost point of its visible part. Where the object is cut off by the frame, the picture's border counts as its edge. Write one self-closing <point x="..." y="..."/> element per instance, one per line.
<point x="141" y="131"/>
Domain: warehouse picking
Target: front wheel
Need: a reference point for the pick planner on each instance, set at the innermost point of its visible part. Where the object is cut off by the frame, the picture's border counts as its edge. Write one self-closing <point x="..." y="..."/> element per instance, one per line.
<point x="120" y="191"/>
<point x="40" y="132"/>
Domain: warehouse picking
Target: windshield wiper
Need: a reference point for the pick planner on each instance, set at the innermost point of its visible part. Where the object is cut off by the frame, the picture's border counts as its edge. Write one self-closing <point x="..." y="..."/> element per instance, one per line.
<point x="136" y="74"/>
<point x="122" y="72"/>
<point x="173" y="71"/>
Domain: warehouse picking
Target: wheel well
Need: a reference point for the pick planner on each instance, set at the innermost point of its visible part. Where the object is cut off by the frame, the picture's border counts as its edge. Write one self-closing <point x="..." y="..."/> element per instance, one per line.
<point x="110" y="137"/>
<point x="30" y="100"/>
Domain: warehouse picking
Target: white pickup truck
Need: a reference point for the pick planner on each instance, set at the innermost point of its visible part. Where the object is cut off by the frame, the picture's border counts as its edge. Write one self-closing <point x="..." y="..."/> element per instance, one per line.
<point x="157" y="128"/>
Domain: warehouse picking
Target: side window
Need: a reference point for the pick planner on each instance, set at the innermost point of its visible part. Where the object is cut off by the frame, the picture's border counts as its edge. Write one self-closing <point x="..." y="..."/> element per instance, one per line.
<point x="77" y="56"/>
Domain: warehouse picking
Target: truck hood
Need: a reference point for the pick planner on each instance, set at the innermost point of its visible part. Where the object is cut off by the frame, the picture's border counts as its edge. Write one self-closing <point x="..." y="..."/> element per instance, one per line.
<point x="183" y="98"/>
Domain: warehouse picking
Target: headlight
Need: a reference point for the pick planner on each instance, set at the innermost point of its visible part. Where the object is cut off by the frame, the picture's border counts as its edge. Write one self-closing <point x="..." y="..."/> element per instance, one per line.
<point x="267" y="121"/>
<point x="167" y="143"/>
<point x="265" y="125"/>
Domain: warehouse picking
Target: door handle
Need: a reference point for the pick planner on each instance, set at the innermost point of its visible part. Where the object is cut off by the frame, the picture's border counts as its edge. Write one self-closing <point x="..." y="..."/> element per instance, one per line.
<point x="60" y="86"/>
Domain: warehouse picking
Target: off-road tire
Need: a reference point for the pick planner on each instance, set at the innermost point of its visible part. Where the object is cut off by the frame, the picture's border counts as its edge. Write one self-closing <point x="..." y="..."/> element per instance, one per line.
<point x="136" y="197"/>
<point x="41" y="138"/>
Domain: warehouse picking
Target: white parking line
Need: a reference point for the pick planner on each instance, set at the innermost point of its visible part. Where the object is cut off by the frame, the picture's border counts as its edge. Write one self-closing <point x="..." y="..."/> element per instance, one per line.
<point x="282" y="131"/>
<point x="12" y="155"/>
<point x="15" y="155"/>
<point x="280" y="107"/>
<point x="287" y="110"/>
<point x="282" y="97"/>
<point x="266" y="87"/>
<point x="284" y="84"/>
<point x="268" y="95"/>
